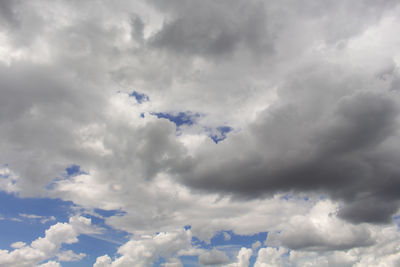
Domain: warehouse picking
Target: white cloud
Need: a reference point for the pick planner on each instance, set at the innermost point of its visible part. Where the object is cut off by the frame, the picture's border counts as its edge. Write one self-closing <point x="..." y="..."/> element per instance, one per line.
<point x="384" y="251"/>
<point x="50" y="264"/>
<point x="49" y="246"/>
<point x="227" y="236"/>
<point x="144" y="250"/>
<point x="69" y="255"/>
<point x="173" y="262"/>
<point x="242" y="258"/>
<point x="103" y="261"/>
<point x="42" y="219"/>
<point x="18" y="244"/>
<point x="269" y="257"/>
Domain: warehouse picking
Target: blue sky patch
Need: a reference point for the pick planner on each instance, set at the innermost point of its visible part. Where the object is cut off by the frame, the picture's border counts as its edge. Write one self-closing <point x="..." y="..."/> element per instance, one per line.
<point x="109" y="213"/>
<point x="220" y="133"/>
<point x="181" y="118"/>
<point x="140" y="97"/>
<point x="26" y="219"/>
<point x="74" y="170"/>
<point x="230" y="243"/>
<point x="16" y="226"/>
<point x="97" y="245"/>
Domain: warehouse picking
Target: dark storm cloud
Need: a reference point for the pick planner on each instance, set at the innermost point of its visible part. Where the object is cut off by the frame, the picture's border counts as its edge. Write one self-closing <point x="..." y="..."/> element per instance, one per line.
<point x="332" y="137"/>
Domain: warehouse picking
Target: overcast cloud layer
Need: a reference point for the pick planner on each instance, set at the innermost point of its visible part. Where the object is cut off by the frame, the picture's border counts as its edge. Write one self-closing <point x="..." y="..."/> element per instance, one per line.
<point x="244" y="116"/>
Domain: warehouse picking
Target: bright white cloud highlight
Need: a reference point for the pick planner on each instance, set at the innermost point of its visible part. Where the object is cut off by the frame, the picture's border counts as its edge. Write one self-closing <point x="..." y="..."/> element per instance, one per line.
<point x="48" y="246"/>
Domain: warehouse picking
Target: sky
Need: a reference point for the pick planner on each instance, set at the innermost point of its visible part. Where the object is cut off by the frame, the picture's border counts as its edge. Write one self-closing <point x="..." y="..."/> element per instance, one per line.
<point x="178" y="133"/>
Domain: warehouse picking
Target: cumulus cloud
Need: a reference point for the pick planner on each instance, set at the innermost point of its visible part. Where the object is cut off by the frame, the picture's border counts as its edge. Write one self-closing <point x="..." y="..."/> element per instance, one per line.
<point x="320" y="229"/>
<point x="309" y="92"/>
<point x="48" y="246"/>
<point x="383" y="253"/>
<point x="298" y="250"/>
<point x="268" y="257"/>
<point x="147" y="249"/>
<point x="242" y="258"/>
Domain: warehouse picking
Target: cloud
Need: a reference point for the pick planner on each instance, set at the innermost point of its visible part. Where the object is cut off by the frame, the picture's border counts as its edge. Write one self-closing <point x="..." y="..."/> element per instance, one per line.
<point x="42" y="219"/>
<point x="256" y="245"/>
<point x="50" y="264"/>
<point x="213" y="257"/>
<point x="227" y="236"/>
<point x="49" y="246"/>
<point x="382" y="251"/>
<point x="147" y="249"/>
<point x="242" y="258"/>
<point x="345" y="153"/>
<point x="320" y="229"/>
<point x="103" y="261"/>
<point x="268" y="257"/>
<point x="208" y="29"/>
<point x="173" y="262"/>
<point x="287" y="115"/>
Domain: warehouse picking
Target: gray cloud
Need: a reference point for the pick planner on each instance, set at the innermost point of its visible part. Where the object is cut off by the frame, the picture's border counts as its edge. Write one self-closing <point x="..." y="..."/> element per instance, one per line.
<point x="213" y="257"/>
<point x="334" y="143"/>
<point x="309" y="88"/>
<point x="209" y="29"/>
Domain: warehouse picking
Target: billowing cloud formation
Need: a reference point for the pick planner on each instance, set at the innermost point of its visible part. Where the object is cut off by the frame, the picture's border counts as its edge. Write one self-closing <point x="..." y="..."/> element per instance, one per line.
<point x="294" y="131"/>
<point x="385" y="253"/>
<point x="243" y="258"/>
<point x="148" y="249"/>
<point x="49" y="246"/>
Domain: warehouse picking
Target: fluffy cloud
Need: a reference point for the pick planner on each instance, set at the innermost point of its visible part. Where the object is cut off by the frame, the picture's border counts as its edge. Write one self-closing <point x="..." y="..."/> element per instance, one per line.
<point x="242" y="259"/>
<point x="48" y="246"/>
<point x="320" y="229"/>
<point x="314" y="246"/>
<point x="309" y="91"/>
<point x="268" y="257"/>
<point x="147" y="249"/>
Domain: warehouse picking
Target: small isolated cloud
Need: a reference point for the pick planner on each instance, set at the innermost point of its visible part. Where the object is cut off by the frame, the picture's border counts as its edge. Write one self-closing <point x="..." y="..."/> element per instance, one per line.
<point x="42" y="219"/>
<point x="69" y="255"/>
<point x="227" y="236"/>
